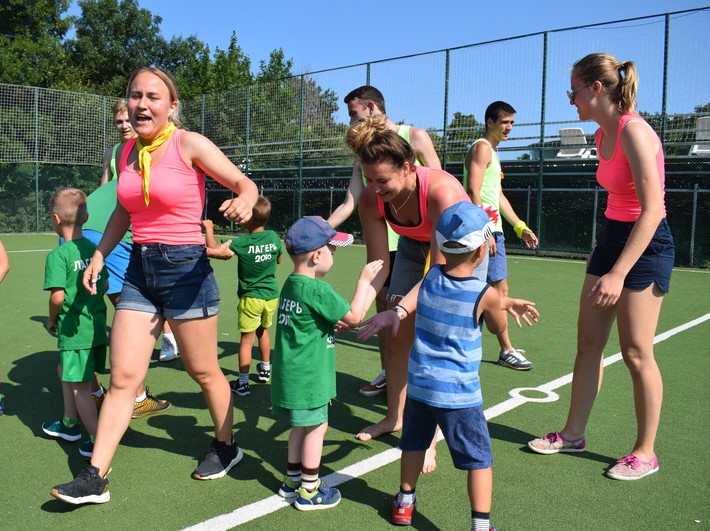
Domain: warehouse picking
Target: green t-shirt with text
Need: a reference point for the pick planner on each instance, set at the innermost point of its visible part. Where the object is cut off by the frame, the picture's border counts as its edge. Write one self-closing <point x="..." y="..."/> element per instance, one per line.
<point x="303" y="361"/>
<point x="257" y="255"/>
<point x="82" y="320"/>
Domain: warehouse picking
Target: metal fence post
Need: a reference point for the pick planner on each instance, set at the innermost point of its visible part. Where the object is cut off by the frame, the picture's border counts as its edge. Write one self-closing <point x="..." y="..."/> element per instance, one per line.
<point x="447" y="70"/>
<point x="36" y="157"/>
<point x="594" y="217"/>
<point x="693" y="223"/>
<point x="664" y="100"/>
<point x="541" y="167"/>
<point x="301" y="133"/>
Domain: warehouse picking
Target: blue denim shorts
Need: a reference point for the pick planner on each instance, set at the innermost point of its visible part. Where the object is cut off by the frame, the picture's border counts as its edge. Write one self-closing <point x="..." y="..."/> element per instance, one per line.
<point x="465" y="431"/>
<point x="175" y="281"/>
<point x="116" y="262"/>
<point x="654" y="265"/>
<point x="408" y="267"/>
<point x="497" y="265"/>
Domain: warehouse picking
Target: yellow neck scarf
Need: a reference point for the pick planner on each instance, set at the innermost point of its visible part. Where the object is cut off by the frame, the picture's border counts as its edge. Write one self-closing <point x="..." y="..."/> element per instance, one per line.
<point x="144" y="157"/>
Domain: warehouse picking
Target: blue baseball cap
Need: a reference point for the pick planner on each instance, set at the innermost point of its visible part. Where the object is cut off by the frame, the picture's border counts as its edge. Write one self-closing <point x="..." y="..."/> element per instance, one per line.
<point x="463" y="228"/>
<point x="313" y="232"/>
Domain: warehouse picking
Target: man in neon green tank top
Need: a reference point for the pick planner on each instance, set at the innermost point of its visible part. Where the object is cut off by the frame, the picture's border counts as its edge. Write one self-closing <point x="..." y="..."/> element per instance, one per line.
<point x="482" y="177"/>
<point x="368" y="101"/>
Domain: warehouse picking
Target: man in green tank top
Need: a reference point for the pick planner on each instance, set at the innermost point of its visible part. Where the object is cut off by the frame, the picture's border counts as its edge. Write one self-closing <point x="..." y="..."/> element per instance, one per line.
<point x="482" y="177"/>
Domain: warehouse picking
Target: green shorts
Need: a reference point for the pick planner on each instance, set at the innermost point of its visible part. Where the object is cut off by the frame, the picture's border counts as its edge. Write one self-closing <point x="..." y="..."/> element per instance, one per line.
<point x="254" y="313"/>
<point x="301" y="418"/>
<point x="80" y="365"/>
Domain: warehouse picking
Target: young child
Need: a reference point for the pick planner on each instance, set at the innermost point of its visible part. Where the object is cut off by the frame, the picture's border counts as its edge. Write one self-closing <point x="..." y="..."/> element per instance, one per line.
<point x="76" y="317"/>
<point x="303" y="381"/>
<point x="443" y="383"/>
<point x="258" y="253"/>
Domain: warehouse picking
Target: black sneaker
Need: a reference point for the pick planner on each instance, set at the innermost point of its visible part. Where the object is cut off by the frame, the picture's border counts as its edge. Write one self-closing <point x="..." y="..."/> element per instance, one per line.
<point x="87" y="487"/>
<point x="221" y="457"/>
<point x="240" y="389"/>
<point x="263" y="373"/>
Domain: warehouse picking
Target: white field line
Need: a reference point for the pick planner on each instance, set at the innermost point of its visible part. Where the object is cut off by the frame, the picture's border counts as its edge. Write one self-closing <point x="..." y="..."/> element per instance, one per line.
<point x="273" y="503"/>
<point x="30" y="251"/>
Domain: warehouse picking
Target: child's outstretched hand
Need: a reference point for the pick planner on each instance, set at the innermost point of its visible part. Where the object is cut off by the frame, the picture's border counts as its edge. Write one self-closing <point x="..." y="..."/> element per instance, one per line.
<point x="369" y="272"/>
<point x="520" y="309"/>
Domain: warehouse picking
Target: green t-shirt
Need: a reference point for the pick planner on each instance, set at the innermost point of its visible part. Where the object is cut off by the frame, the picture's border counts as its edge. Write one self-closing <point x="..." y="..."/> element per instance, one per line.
<point x="491" y="185"/>
<point x="82" y="320"/>
<point x="257" y="255"/>
<point x="303" y="361"/>
<point x="101" y="204"/>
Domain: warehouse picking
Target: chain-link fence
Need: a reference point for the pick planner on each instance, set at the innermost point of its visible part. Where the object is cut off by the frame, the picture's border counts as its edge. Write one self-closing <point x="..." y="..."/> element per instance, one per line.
<point x="288" y="135"/>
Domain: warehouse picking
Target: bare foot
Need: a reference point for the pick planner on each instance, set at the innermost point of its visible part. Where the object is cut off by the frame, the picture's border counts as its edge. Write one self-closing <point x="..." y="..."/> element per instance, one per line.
<point x="382" y="427"/>
<point x="429" y="460"/>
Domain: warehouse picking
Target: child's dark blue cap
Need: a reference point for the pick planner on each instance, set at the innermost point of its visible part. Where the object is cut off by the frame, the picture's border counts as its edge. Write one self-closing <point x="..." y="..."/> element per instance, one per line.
<point x="313" y="232"/>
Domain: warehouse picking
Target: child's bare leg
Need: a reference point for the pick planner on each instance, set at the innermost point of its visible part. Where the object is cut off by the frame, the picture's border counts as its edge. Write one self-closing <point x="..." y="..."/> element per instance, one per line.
<point x="85" y="405"/>
<point x="480" y="489"/>
<point x="410" y="467"/>
<point x="70" y="410"/>
<point x="245" y="345"/>
<point x="262" y="335"/>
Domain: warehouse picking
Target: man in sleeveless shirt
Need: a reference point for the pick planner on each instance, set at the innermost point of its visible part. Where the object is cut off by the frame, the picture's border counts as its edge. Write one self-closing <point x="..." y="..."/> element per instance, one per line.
<point x="482" y="181"/>
<point x="368" y="101"/>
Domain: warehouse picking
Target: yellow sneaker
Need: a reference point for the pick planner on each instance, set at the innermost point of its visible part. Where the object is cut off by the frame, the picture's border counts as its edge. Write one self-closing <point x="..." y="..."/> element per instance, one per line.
<point x="149" y="406"/>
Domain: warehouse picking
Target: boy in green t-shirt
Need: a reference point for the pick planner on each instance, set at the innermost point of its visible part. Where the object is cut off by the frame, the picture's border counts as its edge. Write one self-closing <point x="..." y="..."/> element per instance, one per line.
<point x="76" y="317"/>
<point x="303" y="381"/>
<point x="258" y="253"/>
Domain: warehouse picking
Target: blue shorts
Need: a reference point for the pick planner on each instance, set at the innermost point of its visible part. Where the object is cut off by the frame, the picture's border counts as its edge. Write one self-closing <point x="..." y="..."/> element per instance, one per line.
<point x="497" y="266"/>
<point x="116" y="262"/>
<point x="654" y="265"/>
<point x="465" y="431"/>
<point x="409" y="267"/>
<point x="388" y="280"/>
<point x="175" y="281"/>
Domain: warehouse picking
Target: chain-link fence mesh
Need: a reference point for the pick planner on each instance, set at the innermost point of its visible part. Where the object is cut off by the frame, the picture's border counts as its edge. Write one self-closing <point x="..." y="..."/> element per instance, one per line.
<point x="288" y="135"/>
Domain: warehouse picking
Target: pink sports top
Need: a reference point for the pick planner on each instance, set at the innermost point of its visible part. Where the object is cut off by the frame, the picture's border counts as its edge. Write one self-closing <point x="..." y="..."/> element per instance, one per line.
<point x="420" y="232"/>
<point x="177" y="196"/>
<point x="614" y="174"/>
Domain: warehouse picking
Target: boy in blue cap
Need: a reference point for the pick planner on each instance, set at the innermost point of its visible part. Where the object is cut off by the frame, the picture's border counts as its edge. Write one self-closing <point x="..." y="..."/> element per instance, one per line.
<point x="443" y="385"/>
<point x="303" y="364"/>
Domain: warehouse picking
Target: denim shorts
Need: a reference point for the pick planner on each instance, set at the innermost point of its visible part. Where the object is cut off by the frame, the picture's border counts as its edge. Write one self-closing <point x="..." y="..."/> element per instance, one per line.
<point x="654" y="265"/>
<point x="465" y="431"/>
<point x="175" y="281"/>
<point x="497" y="265"/>
<point x="409" y="267"/>
<point x="116" y="262"/>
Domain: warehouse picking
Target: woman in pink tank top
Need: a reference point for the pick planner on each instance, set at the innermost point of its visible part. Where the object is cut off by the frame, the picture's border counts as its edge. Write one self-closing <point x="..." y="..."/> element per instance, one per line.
<point x="411" y="199"/>
<point x="629" y="270"/>
<point x="168" y="276"/>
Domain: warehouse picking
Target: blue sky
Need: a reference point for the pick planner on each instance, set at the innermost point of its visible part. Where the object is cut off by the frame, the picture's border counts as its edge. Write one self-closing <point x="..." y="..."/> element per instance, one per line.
<point x="321" y="34"/>
<point x="325" y="34"/>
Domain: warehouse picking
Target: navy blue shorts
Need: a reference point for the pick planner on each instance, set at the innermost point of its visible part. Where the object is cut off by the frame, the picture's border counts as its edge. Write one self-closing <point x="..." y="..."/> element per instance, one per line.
<point x="175" y="281"/>
<point x="465" y="431"/>
<point x="654" y="265"/>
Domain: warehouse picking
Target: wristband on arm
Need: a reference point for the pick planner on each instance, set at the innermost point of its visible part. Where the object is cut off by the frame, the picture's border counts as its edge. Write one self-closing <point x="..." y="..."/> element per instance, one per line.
<point x="519" y="228"/>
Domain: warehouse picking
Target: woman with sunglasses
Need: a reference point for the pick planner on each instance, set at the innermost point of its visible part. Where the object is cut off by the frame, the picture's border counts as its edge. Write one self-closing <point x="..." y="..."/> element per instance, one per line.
<point x="628" y="272"/>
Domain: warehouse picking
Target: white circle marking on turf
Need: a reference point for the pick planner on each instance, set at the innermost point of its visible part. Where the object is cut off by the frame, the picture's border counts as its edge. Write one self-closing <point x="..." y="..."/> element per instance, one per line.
<point x="549" y="396"/>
